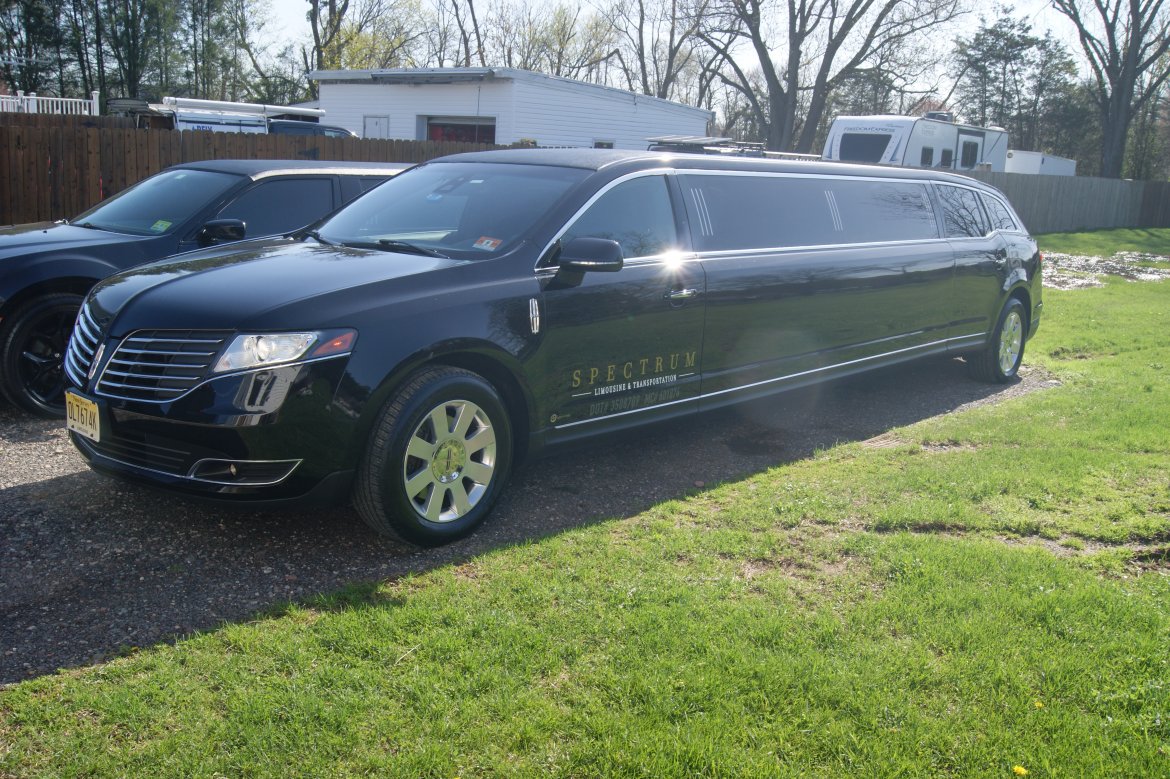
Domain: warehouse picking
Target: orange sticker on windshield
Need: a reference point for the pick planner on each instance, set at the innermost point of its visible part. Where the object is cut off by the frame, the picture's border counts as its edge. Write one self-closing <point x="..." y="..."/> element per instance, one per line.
<point x="490" y="244"/>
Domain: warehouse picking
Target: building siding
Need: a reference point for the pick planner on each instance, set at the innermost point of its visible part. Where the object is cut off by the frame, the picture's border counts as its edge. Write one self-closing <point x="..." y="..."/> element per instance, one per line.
<point x="559" y="113"/>
<point x="552" y="112"/>
<point x="346" y="105"/>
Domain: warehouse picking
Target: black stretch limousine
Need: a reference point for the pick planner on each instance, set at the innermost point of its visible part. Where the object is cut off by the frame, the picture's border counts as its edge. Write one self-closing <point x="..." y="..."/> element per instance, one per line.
<point x="484" y="306"/>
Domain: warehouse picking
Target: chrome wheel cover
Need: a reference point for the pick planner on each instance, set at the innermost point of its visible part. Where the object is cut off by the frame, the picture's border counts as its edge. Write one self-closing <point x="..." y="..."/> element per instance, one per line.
<point x="1011" y="340"/>
<point x="450" y="461"/>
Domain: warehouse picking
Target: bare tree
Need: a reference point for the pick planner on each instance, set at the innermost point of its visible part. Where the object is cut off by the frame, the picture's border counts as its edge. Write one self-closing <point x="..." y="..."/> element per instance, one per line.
<point x="821" y="43"/>
<point x="1124" y="43"/>
<point x="658" y="42"/>
<point x="362" y="33"/>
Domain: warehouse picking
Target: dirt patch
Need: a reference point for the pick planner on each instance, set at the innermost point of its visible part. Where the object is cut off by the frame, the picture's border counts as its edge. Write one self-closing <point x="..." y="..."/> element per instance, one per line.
<point x="1079" y="271"/>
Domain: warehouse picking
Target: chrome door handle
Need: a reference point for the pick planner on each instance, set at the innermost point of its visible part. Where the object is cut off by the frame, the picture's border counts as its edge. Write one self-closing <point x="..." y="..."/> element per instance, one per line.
<point x="681" y="294"/>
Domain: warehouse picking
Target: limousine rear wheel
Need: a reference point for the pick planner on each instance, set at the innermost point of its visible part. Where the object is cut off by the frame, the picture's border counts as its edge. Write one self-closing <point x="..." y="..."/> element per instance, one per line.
<point x="437" y="458"/>
<point x="1000" y="359"/>
<point x="32" y="353"/>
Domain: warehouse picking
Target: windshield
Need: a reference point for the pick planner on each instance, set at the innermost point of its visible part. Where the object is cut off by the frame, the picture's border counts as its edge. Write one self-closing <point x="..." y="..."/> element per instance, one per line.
<point x="160" y="204"/>
<point x="468" y="210"/>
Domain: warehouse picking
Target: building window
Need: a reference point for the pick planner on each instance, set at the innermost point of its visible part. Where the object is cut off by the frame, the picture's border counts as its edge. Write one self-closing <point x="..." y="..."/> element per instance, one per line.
<point x="603" y="144"/>
<point x="462" y="130"/>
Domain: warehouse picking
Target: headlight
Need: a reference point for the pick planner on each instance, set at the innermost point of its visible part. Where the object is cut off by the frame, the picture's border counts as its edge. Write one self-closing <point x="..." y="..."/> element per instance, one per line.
<point x="261" y="349"/>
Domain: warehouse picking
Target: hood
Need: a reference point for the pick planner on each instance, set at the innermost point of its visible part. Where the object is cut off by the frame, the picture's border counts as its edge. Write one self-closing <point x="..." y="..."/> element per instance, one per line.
<point x="233" y="287"/>
<point x="42" y="237"/>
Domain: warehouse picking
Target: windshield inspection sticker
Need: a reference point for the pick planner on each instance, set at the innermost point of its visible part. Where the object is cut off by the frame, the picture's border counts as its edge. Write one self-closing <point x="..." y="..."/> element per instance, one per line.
<point x="490" y="244"/>
<point x="160" y="226"/>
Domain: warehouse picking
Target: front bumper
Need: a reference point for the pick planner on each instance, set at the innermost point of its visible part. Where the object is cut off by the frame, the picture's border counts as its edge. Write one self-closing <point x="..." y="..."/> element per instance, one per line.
<point x="277" y="434"/>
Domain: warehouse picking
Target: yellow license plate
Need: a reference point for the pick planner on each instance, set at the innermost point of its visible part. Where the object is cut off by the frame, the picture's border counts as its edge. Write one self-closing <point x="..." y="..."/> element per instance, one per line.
<point x="81" y="416"/>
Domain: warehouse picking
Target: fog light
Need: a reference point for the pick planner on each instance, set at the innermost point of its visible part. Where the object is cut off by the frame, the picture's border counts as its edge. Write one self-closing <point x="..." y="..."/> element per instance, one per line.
<point x="255" y="473"/>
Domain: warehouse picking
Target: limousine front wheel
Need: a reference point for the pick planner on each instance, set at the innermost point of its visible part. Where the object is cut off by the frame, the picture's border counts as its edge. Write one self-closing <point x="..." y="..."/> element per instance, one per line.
<point x="1000" y="359"/>
<point x="437" y="458"/>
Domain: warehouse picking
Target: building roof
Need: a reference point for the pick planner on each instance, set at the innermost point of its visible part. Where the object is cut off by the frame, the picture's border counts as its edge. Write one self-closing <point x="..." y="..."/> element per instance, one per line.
<point x="416" y="76"/>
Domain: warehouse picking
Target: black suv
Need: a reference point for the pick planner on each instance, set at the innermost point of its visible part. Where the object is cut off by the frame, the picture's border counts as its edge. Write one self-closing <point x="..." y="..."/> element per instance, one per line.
<point x="46" y="268"/>
<point x="295" y="127"/>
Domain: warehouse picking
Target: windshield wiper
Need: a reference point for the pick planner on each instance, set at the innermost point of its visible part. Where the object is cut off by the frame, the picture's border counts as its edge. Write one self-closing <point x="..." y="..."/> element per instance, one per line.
<point x="316" y="236"/>
<point x="87" y="225"/>
<point x="409" y="248"/>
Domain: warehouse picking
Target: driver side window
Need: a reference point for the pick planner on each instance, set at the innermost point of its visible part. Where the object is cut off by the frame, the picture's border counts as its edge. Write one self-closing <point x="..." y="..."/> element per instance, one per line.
<point x="636" y="213"/>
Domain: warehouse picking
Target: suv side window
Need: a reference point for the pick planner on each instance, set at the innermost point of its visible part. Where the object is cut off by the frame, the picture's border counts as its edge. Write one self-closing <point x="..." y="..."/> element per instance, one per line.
<point x="773" y="212"/>
<point x="962" y="215"/>
<point x="281" y="205"/>
<point x="636" y="213"/>
<point x="1001" y="218"/>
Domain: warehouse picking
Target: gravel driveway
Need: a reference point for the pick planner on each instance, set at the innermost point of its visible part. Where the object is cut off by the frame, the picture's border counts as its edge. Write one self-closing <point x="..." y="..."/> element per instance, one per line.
<point x="90" y="567"/>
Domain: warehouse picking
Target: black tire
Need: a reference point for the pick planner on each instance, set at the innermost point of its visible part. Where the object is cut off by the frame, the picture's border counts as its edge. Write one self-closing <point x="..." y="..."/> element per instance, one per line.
<point x="33" y="341"/>
<point x="999" y="361"/>
<point x="427" y="485"/>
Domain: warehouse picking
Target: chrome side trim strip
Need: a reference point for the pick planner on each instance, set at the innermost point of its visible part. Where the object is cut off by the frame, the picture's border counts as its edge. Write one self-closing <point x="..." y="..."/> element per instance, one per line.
<point x="945" y="341"/>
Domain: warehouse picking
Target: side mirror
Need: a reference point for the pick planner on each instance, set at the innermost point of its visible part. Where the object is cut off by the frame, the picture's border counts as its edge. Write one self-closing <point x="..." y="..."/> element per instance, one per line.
<point x="591" y="254"/>
<point x="221" y="231"/>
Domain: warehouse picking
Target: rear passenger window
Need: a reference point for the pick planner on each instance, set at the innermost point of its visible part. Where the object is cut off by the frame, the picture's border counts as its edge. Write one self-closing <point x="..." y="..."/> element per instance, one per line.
<point x="636" y="213"/>
<point x="281" y="205"/>
<point x="767" y="212"/>
<point x="962" y="215"/>
<point x="1001" y="218"/>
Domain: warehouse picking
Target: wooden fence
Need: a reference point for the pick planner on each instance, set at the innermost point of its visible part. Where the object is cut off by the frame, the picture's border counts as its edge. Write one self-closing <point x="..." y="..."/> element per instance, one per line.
<point x="1057" y="204"/>
<point x="56" y="167"/>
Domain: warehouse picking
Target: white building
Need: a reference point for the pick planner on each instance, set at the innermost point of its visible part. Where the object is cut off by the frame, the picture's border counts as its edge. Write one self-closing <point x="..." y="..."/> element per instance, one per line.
<point x="498" y="105"/>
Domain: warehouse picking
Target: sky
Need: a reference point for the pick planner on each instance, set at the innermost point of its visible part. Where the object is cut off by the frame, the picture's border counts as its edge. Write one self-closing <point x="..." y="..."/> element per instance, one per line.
<point x="288" y="20"/>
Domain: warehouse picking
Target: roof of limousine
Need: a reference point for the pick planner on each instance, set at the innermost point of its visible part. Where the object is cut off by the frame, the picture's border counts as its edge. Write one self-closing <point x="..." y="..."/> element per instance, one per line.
<point x="598" y="159"/>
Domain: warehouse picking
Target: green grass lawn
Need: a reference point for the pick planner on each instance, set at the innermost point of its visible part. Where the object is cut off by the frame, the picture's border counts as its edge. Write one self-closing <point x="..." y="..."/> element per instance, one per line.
<point x="1105" y="243"/>
<point x="992" y="593"/>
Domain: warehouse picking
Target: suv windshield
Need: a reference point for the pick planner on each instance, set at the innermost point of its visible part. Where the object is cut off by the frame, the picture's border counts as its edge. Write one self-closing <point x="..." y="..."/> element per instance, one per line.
<point x="160" y="204"/>
<point x="468" y="210"/>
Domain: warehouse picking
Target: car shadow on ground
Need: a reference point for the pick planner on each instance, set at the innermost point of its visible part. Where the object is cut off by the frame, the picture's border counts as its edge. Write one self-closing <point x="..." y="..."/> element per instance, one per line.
<point x="90" y="567"/>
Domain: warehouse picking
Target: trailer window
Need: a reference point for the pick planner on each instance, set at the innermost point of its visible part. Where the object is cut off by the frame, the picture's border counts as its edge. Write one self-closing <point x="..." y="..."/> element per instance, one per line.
<point x="863" y="147"/>
<point x="927" y="156"/>
<point x="947" y="158"/>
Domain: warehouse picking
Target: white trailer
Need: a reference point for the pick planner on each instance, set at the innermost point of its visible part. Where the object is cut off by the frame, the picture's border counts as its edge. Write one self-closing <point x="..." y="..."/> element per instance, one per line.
<point x="932" y="141"/>
<point x="1039" y="163"/>
<point x="186" y="113"/>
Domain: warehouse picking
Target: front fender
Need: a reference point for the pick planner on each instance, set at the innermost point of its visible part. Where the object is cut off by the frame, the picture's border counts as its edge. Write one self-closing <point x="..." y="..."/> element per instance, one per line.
<point x="17" y="276"/>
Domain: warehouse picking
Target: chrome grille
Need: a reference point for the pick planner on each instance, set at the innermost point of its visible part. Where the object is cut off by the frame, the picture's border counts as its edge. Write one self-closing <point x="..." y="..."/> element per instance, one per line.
<point x="160" y="365"/>
<point x="83" y="344"/>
